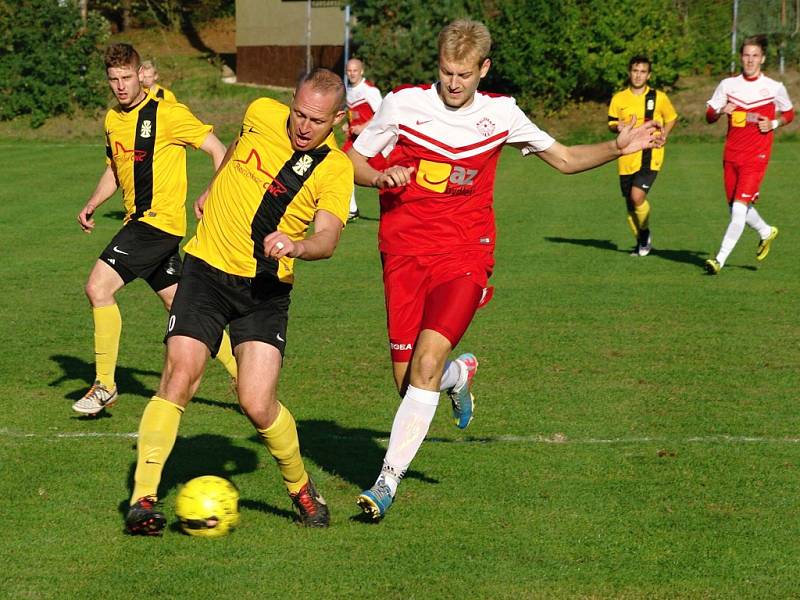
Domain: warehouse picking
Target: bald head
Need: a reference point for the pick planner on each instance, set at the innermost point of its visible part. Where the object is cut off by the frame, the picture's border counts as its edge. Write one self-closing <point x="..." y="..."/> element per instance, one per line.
<point x="355" y="71"/>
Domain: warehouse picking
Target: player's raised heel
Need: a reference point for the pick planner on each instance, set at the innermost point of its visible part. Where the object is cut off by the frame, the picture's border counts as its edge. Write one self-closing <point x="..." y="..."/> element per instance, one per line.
<point x="96" y="399"/>
<point x="764" y="245"/>
<point x="461" y="398"/>
<point x="375" y="501"/>
<point x="145" y="517"/>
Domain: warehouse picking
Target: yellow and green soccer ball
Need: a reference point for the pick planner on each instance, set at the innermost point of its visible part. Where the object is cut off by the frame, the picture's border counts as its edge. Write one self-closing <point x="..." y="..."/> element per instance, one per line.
<point x="208" y="506"/>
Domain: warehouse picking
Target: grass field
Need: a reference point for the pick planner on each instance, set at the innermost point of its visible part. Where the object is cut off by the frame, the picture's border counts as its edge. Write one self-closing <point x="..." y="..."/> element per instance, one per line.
<point x="636" y="432"/>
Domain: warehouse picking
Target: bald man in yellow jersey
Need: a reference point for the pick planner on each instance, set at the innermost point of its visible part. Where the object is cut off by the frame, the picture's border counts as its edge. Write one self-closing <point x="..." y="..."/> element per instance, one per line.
<point x="282" y="173"/>
<point x="638" y="171"/>
<point x="146" y="143"/>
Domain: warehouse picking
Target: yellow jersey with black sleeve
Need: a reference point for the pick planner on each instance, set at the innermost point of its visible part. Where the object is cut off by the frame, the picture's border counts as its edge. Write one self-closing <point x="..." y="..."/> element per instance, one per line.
<point x="268" y="186"/>
<point x="159" y="91"/>
<point x="649" y="105"/>
<point x="146" y="147"/>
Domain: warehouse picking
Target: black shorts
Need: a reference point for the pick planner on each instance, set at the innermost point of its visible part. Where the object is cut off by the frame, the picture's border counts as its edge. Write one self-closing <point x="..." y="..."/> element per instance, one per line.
<point x="141" y="250"/>
<point x="207" y="299"/>
<point x="643" y="180"/>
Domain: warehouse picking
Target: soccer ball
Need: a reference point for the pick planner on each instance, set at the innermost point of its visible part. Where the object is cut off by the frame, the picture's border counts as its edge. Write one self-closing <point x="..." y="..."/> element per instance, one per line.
<point x="208" y="506"/>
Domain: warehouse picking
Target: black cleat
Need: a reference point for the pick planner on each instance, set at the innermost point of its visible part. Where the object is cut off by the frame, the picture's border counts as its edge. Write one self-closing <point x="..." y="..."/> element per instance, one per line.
<point x="311" y="506"/>
<point x="145" y="517"/>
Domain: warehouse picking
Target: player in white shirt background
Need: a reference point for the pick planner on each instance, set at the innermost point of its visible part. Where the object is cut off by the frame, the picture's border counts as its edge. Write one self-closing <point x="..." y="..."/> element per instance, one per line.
<point x="442" y="143"/>
<point x="751" y="102"/>
<point x="363" y="101"/>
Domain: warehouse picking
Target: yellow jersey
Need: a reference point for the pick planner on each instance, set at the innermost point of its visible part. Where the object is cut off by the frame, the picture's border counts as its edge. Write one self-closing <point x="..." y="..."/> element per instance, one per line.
<point x="268" y="186"/>
<point x="625" y="104"/>
<point x="159" y="91"/>
<point x="146" y="147"/>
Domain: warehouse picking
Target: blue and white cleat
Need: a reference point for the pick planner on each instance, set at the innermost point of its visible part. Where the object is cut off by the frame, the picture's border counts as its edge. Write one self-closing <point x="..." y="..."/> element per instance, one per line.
<point x="462" y="400"/>
<point x="376" y="500"/>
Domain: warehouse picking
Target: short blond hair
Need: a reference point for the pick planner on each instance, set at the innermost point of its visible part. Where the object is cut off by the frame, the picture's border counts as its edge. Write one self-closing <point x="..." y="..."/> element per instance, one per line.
<point x="465" y="39"/>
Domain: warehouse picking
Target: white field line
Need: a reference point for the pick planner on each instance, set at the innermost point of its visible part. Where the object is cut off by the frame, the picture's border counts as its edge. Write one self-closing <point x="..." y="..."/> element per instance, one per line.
<point x="501" y="439"/>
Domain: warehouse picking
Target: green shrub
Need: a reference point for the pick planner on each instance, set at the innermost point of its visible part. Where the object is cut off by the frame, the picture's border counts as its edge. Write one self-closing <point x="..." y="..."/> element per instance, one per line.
<point x="50" y="63"/>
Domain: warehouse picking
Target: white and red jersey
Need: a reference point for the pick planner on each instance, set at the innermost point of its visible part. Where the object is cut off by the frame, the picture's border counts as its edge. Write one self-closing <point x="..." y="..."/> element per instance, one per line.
<point x="447" y="206"/>
<point x="363" y="101"/>
<point x="760" y="95"/>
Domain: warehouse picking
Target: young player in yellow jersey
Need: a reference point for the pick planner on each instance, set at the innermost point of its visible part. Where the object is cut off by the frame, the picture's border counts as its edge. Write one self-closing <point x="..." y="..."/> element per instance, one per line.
<point x="282" y="173"/>
<point x="146" y="143"/>
<point x="148" y="75"/>
<point x="638" y="171"/>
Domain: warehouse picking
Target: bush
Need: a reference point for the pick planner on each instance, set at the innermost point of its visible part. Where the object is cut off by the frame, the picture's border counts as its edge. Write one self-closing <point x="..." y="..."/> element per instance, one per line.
<point x="50" y="63"/>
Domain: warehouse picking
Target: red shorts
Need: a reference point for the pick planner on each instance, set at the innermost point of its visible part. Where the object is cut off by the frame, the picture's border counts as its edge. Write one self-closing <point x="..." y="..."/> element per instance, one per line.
<point x="440" y="292"/>
<point x="743" y="180"/>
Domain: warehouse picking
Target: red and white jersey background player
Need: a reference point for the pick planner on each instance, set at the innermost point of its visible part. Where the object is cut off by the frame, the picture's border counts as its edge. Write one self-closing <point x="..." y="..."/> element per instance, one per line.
<point x="755" y="105"/>
<point x="363" y="101"/>
<point x="437" y="234"/>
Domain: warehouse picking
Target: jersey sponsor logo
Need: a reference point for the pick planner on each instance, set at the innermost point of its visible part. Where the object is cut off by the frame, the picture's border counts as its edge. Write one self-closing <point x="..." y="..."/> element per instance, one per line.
<point x="462" y="176"/>
<point x="118" y="251"/>
<point x="436" y="176"/>
<point x="485" y="127"/>
<point x="423" y="121"/>
<point x="146" y="130"/>
<point x="738" y="118"/>
<point x="433" y="175"/>
<point x="112" y="261"/>
<point x="280" y="339"/>
<point x="396" y="346"/>
<point x="244" y="167"/>
<point x="121" y="153"/>
<point x="303" y="165"/>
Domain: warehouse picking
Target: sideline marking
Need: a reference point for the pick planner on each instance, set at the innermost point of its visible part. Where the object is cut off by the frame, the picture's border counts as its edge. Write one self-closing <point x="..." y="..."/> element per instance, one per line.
<point x="554" y="439"/>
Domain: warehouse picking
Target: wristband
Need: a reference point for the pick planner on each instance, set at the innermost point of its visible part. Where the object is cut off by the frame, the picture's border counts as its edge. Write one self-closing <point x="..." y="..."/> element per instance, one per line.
<point x="775" y="123"/>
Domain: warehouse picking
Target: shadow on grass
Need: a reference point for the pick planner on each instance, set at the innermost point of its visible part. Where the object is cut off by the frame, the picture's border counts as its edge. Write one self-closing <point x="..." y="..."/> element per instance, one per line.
<point x="116" y="215"/>
<point x="74" y="368"/>
<point x="204" y="454"/>
<point x="353" y="454"/>
<point x="690" y="257"/>
<point x="128" y="383"/>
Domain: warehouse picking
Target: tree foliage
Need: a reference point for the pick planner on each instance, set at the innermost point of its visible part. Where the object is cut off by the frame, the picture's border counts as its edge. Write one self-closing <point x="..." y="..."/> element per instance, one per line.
<point x="547" y="53"/>
<point x="49" y="60"/>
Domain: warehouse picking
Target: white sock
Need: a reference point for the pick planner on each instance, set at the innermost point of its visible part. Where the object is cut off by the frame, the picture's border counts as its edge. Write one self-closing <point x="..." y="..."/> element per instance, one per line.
<point x="451" y="376"/>
<point x="734" y="231"/>
<point x="411" y="424"/>
<point x="353" y="205"/>
<point x="755" y="221"/>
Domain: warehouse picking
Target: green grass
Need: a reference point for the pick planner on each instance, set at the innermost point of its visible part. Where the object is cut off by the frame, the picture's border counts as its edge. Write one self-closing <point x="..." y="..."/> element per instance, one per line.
<point x="636" y="432"/>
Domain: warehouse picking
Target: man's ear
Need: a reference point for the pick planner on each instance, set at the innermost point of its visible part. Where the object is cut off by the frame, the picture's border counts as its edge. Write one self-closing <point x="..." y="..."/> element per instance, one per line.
<point x="487" y="63"/>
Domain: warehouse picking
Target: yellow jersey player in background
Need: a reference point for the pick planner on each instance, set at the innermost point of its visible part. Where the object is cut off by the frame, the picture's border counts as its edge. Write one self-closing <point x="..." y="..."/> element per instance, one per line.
<point x="638" y="171"/>
<point x="146" y="143"/>
<point x="148" y="75"/>
<point x="283" y="173"/>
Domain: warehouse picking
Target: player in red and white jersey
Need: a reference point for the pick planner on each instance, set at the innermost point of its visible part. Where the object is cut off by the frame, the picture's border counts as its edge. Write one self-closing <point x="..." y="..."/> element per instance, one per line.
<point x="756" y="106"/>
<point x="437" y="232"/>
<point x="363" y="101"/>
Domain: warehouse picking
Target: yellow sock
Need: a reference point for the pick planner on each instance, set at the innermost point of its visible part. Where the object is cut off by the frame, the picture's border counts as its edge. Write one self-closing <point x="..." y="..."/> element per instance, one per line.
<point x="281" y="440"/>
<point x="107" y="331"/>
<point x="158" y="430"/>
<point x="643" y="215"/>
<point x="631" y="219"/>
<point x="225" y="355"/>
